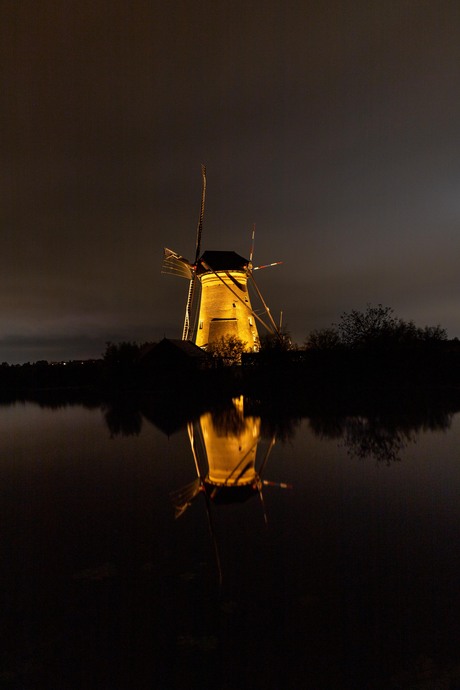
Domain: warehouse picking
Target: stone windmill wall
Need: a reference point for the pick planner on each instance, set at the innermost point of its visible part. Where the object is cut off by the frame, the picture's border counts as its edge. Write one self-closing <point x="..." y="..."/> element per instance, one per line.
<point x="225" y="309"/>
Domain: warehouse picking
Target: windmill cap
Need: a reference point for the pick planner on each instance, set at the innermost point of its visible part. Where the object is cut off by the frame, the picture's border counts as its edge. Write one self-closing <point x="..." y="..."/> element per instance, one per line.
<point x="221" y="261"/>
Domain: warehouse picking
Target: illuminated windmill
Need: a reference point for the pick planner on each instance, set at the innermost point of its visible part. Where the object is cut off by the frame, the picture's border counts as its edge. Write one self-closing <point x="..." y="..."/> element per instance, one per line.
<point x="222" y="277"/>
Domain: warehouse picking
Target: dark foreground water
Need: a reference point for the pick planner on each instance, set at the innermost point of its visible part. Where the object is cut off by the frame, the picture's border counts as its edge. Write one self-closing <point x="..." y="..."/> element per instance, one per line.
<point x="347" y="578"/>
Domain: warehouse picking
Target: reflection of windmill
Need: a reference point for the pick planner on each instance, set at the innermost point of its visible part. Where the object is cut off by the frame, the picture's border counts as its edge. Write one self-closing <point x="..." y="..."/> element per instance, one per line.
<point x="224" y="451"/>
<point x="224" y="448"/>
<point x="224" y="306"/>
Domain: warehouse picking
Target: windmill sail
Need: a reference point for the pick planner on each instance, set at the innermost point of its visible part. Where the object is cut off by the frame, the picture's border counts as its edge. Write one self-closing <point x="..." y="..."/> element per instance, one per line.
<point x="191" y="287"/>
<point x="199" y="229"/>
<point x="175" y="264"/>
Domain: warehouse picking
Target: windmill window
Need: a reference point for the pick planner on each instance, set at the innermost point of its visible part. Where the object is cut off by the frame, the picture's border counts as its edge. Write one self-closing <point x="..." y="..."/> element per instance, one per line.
<point x="234" y="305"/>
<point x="250" y="321"/>
<point x="201" y="324"/>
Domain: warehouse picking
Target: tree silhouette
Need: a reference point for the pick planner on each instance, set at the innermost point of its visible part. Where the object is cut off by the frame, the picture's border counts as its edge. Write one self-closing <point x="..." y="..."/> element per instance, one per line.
<point x="277" y="342"/>
<point x="323" y="339"/>
<point x="375" y="324"/>
<point x="376" y="327"/>
<point x="226" y="351"/>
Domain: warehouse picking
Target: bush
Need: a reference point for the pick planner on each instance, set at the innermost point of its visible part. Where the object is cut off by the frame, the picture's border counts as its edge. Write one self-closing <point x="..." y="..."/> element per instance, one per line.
<point x="277" y="342"/>
<point x="226" y="351"/>
<point x="323" y="339"/>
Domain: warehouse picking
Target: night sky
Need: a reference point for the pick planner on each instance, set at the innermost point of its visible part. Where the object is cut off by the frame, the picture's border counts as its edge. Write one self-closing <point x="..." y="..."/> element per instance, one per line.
<point x="334" y="126"/>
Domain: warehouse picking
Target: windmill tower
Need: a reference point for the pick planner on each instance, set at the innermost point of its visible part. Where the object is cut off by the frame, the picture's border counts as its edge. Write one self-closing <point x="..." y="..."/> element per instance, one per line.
<point x="222" y="279"/>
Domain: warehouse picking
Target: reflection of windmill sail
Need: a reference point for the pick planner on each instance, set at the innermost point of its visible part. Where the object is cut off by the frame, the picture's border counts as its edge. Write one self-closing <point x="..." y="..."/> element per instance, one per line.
<point x="226" y="466"/>
<point x="224" y="306"/>
<point x="183" y="498"/>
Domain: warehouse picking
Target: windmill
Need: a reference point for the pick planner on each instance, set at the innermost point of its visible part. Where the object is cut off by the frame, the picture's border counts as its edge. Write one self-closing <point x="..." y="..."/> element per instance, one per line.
<point x="222" y="277"/>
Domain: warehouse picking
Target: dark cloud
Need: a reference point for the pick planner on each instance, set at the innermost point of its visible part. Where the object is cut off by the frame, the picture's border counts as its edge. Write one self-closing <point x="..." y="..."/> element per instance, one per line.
<point x="333" y="126"/>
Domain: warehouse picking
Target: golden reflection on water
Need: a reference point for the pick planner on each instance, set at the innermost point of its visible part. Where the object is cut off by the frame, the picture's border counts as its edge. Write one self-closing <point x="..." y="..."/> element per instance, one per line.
<point x="224" y="448"/>
<point x="230" y="444"/>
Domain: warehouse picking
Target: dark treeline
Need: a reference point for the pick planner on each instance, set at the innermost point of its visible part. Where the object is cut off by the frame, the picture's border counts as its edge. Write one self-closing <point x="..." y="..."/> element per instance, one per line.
<point x="375" y="328"/>
<point x="345" y="371"/>
<point x="367" y="351"/>
<point x="370" y="350"/>
<point x="18" y="378"/>
<point x="279" y="374"/>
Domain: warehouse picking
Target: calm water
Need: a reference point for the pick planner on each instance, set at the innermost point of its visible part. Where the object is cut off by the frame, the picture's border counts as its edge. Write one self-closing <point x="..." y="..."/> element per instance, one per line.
<point x="134" y="559"/>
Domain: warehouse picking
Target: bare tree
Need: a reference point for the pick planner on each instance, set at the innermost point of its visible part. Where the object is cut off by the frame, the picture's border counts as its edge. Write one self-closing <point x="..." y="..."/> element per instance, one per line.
<point x="323" y="339"/>
<point x="363" y="328"/>
<point x="226" y="351"/>
<point x="375" y="327"/>
<point x="277" y="342"/>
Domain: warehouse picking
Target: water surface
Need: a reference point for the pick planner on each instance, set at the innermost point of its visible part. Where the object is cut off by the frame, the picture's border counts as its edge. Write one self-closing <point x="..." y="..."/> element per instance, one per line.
<point x="123" y="566"/>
